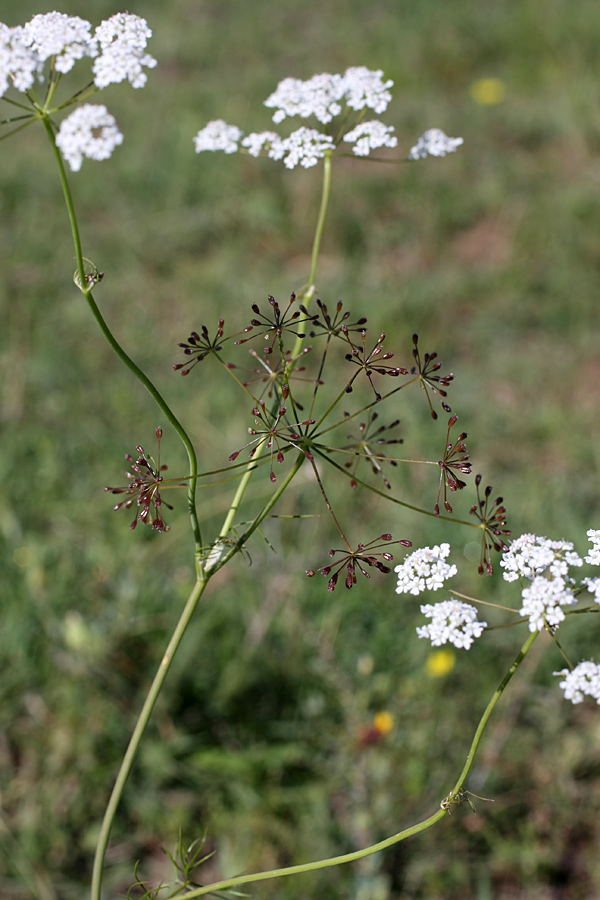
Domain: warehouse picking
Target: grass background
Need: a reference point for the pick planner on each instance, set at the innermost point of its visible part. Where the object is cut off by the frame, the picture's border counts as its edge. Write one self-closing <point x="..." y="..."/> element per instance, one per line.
<point x="492" y="256"/>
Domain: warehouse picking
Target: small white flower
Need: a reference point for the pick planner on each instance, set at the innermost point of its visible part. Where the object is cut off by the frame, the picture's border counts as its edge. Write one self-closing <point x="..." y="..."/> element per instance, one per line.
<point x="593" y="586"/>
<point x="452" y="622"/>
<point x="369" y="136"/>
<point x="122" y="40"/>
<point x="265" y="140"/>
<point x="305" y="146"/>
<point x="218" y="135"/>
<point x="583" y="680"/>
<point x="90" y="131"/>
<point x="530" y="555"/>
<point x="424" y="570"/>
<point x="434" y="143"/>
<point x="543" y="601"/>
<point x="594" y="555"/>
<point x="67" y="38"/>
<point x="364" y="87"/>
<point x="318" y="97"/>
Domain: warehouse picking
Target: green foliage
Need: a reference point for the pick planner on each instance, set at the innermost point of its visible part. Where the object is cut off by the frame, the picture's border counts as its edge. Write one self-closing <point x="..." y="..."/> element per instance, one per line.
<point x="491" y="256"/>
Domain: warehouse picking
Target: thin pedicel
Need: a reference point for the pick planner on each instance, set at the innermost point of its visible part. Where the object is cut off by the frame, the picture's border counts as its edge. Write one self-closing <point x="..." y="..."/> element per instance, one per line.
<point x="455" y="460"/>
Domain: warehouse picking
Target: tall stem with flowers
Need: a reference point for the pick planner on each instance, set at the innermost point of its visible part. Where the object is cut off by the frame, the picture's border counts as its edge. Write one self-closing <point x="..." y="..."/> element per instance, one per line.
<point x="302" y="396"/>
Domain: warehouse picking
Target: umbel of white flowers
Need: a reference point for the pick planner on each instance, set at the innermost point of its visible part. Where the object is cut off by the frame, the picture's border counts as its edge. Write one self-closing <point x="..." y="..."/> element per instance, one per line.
<point x="541" y="566"/>
<point x="338" y="102"/>
<point x="117" y="47"/>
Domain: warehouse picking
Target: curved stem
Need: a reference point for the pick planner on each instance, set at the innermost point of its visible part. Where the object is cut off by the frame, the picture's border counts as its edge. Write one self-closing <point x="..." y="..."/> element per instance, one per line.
<point x="320" y="863"/>
<point x="396" y="838"/>
<point x="488" y="711"/>
<point x="162" y="404"/>
<point x="123" y="356"/>
<point x="139" y="730"/>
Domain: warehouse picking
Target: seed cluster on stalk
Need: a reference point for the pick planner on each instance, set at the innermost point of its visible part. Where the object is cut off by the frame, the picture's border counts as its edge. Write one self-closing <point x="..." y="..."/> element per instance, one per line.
<point x="143" y="490"/>
<point x="295" y="397"/>
<point x="365" y="555"/>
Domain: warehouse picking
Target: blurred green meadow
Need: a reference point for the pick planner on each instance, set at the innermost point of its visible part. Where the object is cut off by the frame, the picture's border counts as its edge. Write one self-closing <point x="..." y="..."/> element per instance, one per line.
<point x="261" y="738"/>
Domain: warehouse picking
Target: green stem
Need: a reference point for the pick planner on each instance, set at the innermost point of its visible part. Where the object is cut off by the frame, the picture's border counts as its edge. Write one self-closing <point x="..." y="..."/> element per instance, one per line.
<point x="152" y="390"/>
<point x="325" y="191"/>
<point x="139" y="730"/>
<point x="204" y="574"/>
<point x="488" y="711"/>
<point x="320" y="863"/>
<point x="217" y="558"/>
<point x="394" y="839"/>
<point x="308" y="293"/>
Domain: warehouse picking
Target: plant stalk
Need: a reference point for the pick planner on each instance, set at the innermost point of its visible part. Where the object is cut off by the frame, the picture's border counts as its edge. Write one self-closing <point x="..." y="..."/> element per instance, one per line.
<point x="308" y="293"/>
<point x="396" y="838"/>
<point x="123" y="356"/>
<point x="140" y="727"/>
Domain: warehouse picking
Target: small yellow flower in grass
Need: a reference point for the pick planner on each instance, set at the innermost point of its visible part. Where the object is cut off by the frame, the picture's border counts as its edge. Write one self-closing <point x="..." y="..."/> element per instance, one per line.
<point x="383" y="722"/>
<point x="487" y="91"/>
<point x="440" y="663"/>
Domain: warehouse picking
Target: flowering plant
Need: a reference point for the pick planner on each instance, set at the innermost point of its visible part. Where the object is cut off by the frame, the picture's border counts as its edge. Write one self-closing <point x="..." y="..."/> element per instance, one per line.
<point x="299" y="398"/>
<point x="337" y="101"/>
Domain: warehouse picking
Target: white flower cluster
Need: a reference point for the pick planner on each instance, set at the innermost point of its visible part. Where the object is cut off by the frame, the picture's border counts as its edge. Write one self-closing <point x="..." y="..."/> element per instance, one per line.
<point x="67" y="38"/>
<point x="452" y="622"/>
<point x="306" y="147"/>
<point x="318" y="97"/>
<point x="369" y="135"/>
<point x="594" y="555"/>
<point x="122" y="40"/>
<point x="530" y="555"/>
<point x="89" y="131"/>
<point x="18" y="63"/>
<point x="322" y="97"/>
<point x="543" y="601"/>
<point x="546" y="564"/>
<point x="550" y="588"/>
<point x="424" y="570"/>
<point x="434" y="143"/>
<point x="218" y="135"/>
<point x="593" y="558"/>
<point x="583" y="680"/>
<point x="268" y="141"/>
<point x="117" y="46"/>
<point x="365" y="88"/>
